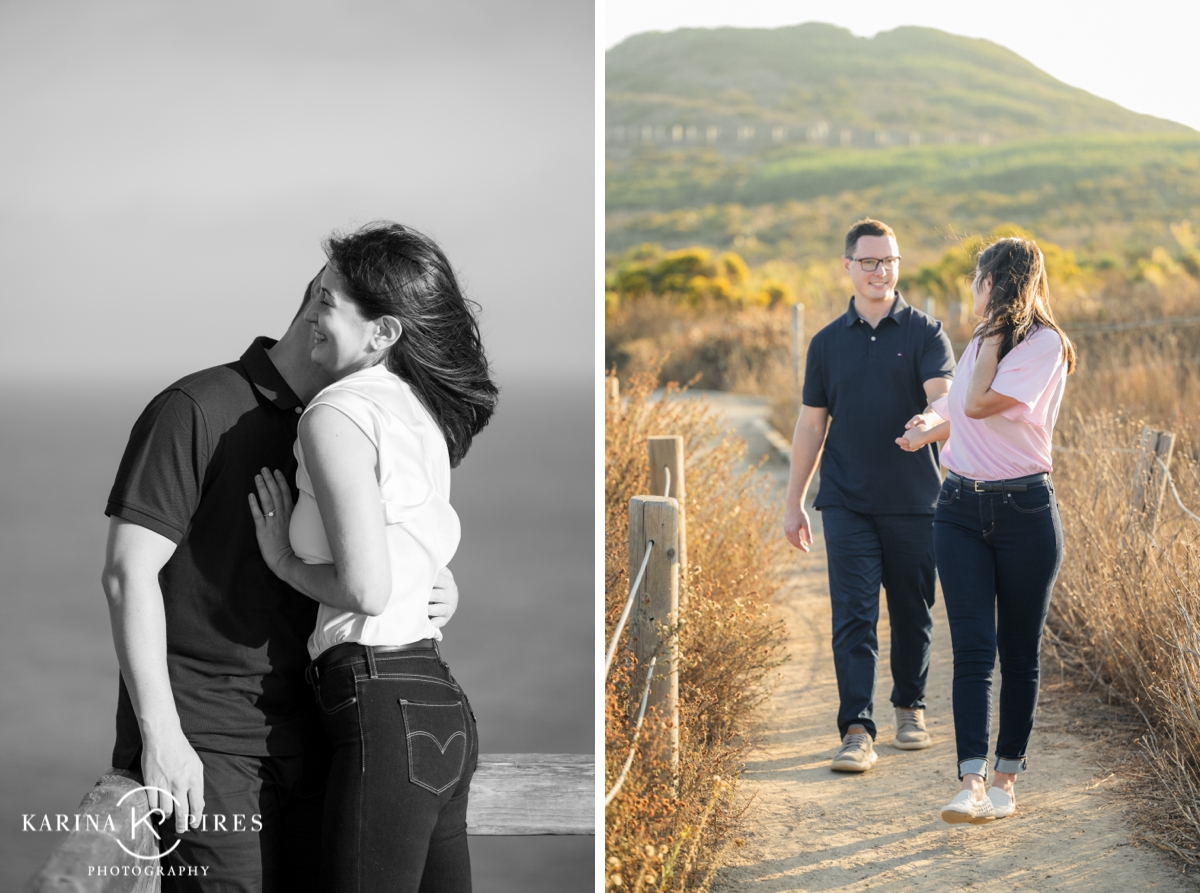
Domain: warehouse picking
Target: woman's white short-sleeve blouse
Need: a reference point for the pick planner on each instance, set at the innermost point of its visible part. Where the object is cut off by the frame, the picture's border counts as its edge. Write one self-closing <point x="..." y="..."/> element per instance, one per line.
<point x="422" y="528"/>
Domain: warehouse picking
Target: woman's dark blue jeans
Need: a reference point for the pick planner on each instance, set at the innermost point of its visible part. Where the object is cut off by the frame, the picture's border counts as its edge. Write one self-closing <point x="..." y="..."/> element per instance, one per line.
<point x="997" y="556"/>
<point x="404" y="750"/>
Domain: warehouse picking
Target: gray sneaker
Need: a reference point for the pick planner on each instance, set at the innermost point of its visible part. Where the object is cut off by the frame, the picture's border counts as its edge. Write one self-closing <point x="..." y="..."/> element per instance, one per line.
<point x="857" y="753"/>
<point x="910" y="729"/>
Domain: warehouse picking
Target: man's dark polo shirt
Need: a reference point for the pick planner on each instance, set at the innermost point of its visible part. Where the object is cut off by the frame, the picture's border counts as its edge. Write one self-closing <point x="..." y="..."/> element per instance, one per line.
<point x="236" y="634"/>
<point x="871" y="382"/>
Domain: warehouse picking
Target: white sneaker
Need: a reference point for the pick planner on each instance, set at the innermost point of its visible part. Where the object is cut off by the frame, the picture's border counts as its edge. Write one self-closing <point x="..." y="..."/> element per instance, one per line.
<point x="963" y="809"/>
<point x="857" y="753"/>
<point x="910" y="729"/>
<point x="1005" y="804"/>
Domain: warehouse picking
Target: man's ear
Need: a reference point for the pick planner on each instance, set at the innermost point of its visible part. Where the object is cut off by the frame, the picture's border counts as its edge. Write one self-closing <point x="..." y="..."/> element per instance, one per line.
<point x="387" y="332"/>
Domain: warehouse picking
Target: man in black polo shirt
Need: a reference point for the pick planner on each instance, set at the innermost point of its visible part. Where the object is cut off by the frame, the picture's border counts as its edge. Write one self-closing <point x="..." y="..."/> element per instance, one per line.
<point x="867" y="373"/>
<point x="213" y="706"/>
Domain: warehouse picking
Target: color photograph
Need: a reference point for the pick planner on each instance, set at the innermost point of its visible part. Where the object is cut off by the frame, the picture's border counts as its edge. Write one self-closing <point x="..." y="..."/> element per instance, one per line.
<point x="361" y="661"/>
<point x="902" y="493"/>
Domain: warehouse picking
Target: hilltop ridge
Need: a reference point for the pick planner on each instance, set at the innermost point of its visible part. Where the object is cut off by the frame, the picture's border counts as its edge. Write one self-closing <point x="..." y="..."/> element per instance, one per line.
<point x="820" y="80"/>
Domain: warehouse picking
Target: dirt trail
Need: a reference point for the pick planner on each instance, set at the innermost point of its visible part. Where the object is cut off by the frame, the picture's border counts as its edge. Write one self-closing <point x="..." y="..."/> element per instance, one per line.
<point x="812" y="829"/>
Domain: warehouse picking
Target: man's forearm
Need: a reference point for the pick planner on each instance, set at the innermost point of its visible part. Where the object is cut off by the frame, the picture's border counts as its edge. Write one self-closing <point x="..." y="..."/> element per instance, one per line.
<point x="806" y="449"/>
<point x="139" y="629"/>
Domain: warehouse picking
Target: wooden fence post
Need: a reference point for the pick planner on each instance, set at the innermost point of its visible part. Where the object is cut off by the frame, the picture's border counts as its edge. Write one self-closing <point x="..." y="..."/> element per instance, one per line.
<point x="667" y="479"/>
<point x="656" y="519"/>
<point x="612" y="393"/>
<point x="1150" y="478"/>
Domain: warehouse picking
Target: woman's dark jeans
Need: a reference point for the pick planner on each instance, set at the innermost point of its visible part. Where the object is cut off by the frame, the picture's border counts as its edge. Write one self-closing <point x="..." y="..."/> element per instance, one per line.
<point x="997" y="557"/>
<point x="404" y="750"/>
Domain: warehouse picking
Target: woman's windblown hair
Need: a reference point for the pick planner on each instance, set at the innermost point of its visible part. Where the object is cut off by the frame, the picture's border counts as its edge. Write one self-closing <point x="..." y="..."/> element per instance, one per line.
<point x="1019" y="299"/>
<point x="393" y="270"/>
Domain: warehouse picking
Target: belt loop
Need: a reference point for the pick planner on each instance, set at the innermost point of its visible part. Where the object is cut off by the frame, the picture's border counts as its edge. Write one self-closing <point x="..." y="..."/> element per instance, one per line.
<point x="374" y="671"/>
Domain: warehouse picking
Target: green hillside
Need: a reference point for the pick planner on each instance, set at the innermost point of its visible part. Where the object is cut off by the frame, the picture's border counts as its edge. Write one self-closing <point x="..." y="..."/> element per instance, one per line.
<point x="771" y="142"/>
<point x="909" y="79"/>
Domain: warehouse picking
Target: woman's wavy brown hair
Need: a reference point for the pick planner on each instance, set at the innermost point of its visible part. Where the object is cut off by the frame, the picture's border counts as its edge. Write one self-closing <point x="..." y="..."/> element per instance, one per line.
<point x="394" y="270"/>
<point x="1019" y="298"/>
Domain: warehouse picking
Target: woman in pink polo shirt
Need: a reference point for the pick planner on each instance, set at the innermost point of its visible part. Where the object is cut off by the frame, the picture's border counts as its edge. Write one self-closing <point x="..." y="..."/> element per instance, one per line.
<point x="996" y="531"/>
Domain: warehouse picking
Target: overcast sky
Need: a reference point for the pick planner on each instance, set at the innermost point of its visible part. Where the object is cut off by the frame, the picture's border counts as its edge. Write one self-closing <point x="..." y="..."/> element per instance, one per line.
<point x="171" y="168"/>
<point x="1141" y="55"/>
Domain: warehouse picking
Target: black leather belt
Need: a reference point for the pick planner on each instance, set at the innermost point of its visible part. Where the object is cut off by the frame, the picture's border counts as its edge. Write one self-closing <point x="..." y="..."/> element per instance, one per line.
<point x="1011" y="485"/>
<point x="338" y="653"/>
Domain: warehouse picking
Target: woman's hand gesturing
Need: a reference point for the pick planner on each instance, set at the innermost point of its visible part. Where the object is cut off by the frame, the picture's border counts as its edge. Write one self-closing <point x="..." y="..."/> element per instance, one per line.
<point x="272" y="512"/>
<point x="917" y="432"/>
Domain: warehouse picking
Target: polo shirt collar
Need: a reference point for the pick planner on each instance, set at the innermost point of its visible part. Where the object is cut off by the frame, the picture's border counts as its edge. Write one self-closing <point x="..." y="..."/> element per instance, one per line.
<point x="265" y="377"/>
<point x="851" y="316"/>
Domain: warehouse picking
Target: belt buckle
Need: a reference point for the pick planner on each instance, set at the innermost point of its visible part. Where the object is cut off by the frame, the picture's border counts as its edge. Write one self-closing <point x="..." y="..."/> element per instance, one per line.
<point x="978" y="487"/>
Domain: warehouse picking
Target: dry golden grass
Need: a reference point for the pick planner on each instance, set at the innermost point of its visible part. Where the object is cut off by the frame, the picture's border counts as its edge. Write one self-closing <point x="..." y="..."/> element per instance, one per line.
<point x="660" y="836"/>
<point x="1126" y="609"/>
<point x="1127" y="602"/>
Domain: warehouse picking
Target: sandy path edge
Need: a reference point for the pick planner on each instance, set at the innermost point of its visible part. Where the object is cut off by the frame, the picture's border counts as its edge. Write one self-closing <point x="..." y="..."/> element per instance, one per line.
<point x="811" y="829"/>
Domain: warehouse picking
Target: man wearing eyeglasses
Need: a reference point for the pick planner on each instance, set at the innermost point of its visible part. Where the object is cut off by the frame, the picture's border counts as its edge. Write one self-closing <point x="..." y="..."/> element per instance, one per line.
<point x="867" y="373"/>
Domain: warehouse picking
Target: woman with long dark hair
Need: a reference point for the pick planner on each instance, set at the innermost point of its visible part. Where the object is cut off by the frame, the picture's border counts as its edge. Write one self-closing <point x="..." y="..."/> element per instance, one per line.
<point x="996" y="531"/>
<point x="371" y="529"/>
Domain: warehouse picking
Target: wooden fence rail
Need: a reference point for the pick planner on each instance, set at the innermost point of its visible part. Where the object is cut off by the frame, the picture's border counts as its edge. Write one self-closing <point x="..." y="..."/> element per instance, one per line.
<point x="511" y="794"/>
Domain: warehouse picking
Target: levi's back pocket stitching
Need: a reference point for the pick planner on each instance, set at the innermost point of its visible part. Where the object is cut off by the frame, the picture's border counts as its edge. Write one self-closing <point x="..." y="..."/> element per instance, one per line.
<point x="437" y="743"/>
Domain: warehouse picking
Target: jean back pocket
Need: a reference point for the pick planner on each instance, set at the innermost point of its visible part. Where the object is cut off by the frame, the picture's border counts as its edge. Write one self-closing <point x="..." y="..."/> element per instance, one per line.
<point x="437" y="743"/>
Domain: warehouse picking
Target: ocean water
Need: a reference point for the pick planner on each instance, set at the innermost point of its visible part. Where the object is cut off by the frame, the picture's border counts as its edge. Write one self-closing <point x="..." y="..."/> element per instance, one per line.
<point x="521" y="643"/>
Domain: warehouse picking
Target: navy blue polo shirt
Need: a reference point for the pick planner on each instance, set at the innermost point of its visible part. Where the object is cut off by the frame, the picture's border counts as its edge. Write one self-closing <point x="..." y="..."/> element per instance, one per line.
<point x="236" y="634"/>
<point x="871" y="381"/>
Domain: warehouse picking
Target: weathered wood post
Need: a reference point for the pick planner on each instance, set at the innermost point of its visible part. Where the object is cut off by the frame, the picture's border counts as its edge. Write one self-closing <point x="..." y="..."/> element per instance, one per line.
<point x="667" y="479"/>
<point x="511" y="794"/>
<point x="797" y="353"/>
<point x="656" y="613"/>
<point x="1150" y="478"/>
<point x="612" y="393"/>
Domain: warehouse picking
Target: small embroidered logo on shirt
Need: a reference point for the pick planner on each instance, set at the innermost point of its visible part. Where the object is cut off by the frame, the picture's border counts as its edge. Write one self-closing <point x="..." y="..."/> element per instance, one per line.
<point x="899" y="354"/>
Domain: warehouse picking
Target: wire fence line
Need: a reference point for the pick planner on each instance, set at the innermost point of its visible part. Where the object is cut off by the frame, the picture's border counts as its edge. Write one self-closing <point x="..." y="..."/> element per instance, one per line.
<point x="1103" y="328"/>
<point x="1162" y="465"/>
<point x="637" y="730"/>
<point x="612" y="648"/>
<point x="1174" y="492"/>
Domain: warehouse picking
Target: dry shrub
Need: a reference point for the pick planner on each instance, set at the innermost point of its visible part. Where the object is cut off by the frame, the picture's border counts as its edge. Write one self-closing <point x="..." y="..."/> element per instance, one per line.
<point x="1127" y="600"/>
<point x="659" y="836"/>
<point x="746" y="350"/>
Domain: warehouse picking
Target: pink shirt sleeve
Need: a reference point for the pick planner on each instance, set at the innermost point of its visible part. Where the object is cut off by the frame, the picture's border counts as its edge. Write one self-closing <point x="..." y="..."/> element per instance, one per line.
<point x="1026" y="374"/>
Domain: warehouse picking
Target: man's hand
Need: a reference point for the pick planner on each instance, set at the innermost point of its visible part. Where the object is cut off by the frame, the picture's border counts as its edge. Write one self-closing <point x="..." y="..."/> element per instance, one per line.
<point x="444" y="600"/>
<point x="797" y="528"/>
<point x="170" y="763"/>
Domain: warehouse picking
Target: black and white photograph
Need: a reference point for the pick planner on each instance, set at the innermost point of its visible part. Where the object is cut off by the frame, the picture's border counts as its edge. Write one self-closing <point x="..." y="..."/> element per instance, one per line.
<point x="297" y="513"/>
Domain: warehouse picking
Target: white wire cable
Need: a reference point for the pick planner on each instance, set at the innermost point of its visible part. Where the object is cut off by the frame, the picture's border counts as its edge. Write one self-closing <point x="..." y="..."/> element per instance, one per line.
<point x="612" y="648"/>
<point x="636" y="732"/>
<point x="1174" y="492"/>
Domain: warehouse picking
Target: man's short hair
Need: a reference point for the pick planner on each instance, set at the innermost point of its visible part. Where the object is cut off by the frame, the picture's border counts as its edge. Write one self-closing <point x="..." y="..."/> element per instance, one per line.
<point x="866" y="227"/>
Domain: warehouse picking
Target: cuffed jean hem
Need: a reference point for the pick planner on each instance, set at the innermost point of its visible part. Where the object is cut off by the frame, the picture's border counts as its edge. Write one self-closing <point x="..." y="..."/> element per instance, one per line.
<point x="974" y="766"/>
<point x="1012" y="766"/>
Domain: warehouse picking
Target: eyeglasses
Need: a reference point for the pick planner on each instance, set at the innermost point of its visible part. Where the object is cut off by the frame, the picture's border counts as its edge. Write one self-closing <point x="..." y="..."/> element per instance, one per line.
<point x="869" y="264"/>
